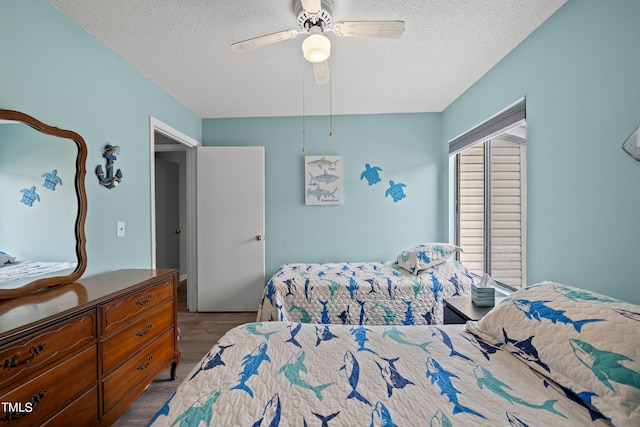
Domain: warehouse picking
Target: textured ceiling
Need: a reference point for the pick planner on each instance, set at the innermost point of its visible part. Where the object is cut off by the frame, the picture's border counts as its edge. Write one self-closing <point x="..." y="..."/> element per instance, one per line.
<point x="184" y="47"/>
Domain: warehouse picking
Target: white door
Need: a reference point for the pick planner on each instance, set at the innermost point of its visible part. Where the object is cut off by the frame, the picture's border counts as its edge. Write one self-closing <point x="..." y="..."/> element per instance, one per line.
<point x="230" y="210"/>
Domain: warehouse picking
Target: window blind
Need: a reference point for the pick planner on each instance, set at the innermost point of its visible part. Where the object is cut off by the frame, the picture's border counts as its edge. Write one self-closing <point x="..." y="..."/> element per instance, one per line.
<point x="507" y="119"/>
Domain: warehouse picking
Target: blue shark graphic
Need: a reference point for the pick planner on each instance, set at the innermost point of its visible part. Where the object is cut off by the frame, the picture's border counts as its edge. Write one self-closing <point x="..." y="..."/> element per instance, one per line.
<point x="308" y="287"/>
<point x="271" y="414"/>
<point x="333" y="288"/>
<point x="515" y="421"/>
<point x="408" y="315"/>
<point x="271" y="290"/>
<point x="583" y="399"/>
<point x="373" y="284"/>
<point x="456" y="284"/>
<point x="280" y="310"/>
<point x="353" y="288"/>
<point x="605" y="365"/>
<point x="538" y="310"/>
<point x="202" y="413"/>
<point x="294" y="328"/>
<point x="371" y="174"/>
<point x="484" y="348"/>
<point x="251" y="363"/>
<point x="398" y="336"/>
<point x="447" y="341"/>
<point x="442" y="378"/>
<point x="428" y="317"/>
<point x="324" y="317"/>
<point x="210" y="361"/>
<point x="389" y="316"/>
<point x="576" y="295"/>
<point x="630" y="314"/>
<point x="484" y="378"/>
<point x="324" y="334"/>
<point x="324" y="178"/>
<point x="290" y="285"/>
<point x="325" y="419"/>
<point x="163" y="411"/>
<point x="252" y="328"/>
<point x="391" y="288"/>
<point x="292" y="369"/>
<point x="363" y="316"/>
<point x="436" y="287"/>
<point x="360" y="335"/>
<point x="305" y="317"/>
<point x="391" y="376"/>
<point x="418" y="287"/>
<point x="345" y="317"/>
<point x="526" y="350"/>
<point x="351" y="369"/>
<point x="320" y="194"/>
<point x="381" y="417"/>
<point x="440" y="419"/>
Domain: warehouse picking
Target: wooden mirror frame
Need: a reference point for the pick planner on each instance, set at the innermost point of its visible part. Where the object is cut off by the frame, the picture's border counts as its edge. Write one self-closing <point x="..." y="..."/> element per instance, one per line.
<point x="81" y="197"/>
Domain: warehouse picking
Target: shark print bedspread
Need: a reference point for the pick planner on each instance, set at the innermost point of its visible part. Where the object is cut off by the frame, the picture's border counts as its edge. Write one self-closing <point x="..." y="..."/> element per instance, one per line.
<point x="373" y="293"/>
<point x="294" y="374"/>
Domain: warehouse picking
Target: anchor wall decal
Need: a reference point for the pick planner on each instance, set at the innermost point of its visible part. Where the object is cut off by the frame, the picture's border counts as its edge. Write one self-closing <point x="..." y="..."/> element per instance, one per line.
<point x="110" y="180"/>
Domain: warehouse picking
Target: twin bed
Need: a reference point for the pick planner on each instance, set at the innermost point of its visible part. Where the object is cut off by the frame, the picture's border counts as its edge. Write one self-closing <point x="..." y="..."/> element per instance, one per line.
<point x="408" y="291"/>
<point x="547" y="355"/>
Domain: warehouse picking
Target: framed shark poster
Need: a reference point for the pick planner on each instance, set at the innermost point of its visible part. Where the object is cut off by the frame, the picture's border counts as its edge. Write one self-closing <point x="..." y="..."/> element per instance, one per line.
<point x="322" y="180"/>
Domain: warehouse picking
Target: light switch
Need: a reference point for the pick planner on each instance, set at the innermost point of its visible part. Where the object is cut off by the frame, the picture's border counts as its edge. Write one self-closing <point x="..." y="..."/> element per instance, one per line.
<point x="120" y="229"/>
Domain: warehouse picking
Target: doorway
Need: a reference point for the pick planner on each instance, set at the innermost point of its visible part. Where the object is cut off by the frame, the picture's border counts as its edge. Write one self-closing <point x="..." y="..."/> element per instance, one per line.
<point x="171" y="145"/>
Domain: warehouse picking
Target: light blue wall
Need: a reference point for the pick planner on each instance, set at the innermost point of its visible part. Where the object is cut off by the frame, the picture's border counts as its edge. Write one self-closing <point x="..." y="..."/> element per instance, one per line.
<point x="368" y="226"/>
<point x="580" y="73"/>
<point x="53" y="70"/>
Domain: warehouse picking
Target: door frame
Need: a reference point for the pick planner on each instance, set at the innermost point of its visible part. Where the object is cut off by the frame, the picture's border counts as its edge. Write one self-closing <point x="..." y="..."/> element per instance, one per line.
<point x="187" y="144"/>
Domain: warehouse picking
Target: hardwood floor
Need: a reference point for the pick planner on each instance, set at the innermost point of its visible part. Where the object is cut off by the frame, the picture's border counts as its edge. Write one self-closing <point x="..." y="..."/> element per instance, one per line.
<point x="198" y="333"/>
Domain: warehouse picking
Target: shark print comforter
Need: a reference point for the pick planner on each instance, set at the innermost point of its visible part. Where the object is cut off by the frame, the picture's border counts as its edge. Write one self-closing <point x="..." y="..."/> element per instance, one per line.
<point x="295" y="374"/>
<point x="373" y="293"/>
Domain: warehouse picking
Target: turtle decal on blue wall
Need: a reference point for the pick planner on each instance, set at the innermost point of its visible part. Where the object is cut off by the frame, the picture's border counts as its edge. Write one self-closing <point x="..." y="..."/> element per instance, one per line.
<point x="51" y="179"/>
<point x="29" y="195"/>
<point x="395" y="191"/>
<point x="371" y="174"/>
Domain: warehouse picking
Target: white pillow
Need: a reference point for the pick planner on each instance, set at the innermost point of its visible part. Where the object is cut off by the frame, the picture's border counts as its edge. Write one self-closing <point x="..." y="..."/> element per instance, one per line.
<point x="422" y="257"/>
<point x="6" y="259"/>
<point x="584" y="341"/>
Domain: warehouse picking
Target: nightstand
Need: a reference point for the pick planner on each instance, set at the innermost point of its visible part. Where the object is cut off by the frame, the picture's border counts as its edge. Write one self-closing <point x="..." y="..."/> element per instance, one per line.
<point x="458" y="310"/>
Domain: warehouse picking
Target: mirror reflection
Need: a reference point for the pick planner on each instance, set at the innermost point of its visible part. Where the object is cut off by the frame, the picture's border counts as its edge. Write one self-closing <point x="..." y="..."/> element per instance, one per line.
<point x="38" y="207"/>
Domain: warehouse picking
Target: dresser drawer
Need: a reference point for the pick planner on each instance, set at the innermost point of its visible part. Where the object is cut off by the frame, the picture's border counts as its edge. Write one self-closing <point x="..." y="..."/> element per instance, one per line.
<point x="128" y="309"/>
<point x="46" y="393"/>
<point x="117" y="348"/>
<point x="142" y="367"/>
<point x="25" y="357"/>
<point x="82" y="412"/>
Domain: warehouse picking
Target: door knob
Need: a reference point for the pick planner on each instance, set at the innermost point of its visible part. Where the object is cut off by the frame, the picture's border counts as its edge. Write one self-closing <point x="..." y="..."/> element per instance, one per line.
<point x="178" y="231"/>
<point x="259" y="237"/>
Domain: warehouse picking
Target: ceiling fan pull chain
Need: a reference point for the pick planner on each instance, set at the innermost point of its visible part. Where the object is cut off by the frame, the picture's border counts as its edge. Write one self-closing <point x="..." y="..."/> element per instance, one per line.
<point x="304" y="146"/>
<point x="330" y="106"/>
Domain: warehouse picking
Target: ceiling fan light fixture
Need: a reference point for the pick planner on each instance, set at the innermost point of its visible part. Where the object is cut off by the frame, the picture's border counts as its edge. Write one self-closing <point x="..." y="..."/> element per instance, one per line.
<point x="316" y="48"/>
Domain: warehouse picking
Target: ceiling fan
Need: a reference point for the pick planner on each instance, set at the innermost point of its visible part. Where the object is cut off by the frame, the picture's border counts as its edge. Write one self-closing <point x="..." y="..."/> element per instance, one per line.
<point x="314" y="19"/>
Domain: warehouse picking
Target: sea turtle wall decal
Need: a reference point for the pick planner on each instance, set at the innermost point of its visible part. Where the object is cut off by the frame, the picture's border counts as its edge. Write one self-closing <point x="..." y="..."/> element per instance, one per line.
<point x="395" y="191"/>
<point x="29" y="196"/>
<point x="51" y="179"/>
<point x="371" y="174"/>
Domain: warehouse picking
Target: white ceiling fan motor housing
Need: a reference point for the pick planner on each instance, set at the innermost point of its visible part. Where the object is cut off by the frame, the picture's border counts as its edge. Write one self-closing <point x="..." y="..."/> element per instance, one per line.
<point x="323" y="19"/>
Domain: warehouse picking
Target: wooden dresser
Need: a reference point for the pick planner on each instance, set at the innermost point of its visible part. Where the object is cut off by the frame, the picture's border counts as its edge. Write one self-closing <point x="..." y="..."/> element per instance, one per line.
<point x="82" y="353"/>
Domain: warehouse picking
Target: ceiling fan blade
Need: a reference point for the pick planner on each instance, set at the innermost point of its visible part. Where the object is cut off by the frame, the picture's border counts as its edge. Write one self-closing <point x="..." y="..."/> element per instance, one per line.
<point x="321" y="72"/>
<point x="312" y="7"/>
<point x="378" y="29"/>
<point x="264" y="40"/>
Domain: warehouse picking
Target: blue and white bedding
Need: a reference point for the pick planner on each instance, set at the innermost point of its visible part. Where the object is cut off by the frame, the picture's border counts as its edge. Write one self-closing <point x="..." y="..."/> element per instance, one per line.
<point x="31" y="270"/>
<point x="373" y="293"/>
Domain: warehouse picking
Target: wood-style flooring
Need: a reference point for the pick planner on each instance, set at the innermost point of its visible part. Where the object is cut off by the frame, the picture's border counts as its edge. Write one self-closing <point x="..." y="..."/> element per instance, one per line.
<point x="198" y="333"/>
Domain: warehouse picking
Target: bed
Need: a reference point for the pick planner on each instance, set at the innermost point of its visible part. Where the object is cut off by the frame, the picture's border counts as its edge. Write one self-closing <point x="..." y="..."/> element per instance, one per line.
<point x="408" y="291"/>
<point x="15" y="273"/>
<point x="548" y="355"/>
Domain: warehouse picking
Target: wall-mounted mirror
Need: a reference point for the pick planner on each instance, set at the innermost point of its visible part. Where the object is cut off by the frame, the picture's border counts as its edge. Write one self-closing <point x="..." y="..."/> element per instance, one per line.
<point x="43" y="205"/>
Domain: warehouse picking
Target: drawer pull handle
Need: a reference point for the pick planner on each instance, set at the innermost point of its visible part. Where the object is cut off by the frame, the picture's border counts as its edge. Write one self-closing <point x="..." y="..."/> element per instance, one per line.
<point x="144" y="365"/>
<point x="9" y="364"/>
<point x="32" y="403"/>
<point x="142" y="301"/>
<point x="143" y="332"/>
